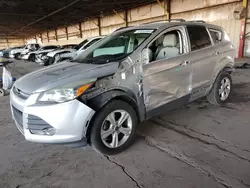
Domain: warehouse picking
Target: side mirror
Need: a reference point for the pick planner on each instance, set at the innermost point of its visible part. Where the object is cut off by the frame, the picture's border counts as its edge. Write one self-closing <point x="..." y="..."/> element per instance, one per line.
<point x="145" y="56"/>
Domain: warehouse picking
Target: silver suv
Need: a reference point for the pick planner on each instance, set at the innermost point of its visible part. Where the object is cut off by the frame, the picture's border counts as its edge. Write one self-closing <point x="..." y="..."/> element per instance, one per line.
<point x="126" y="78"/>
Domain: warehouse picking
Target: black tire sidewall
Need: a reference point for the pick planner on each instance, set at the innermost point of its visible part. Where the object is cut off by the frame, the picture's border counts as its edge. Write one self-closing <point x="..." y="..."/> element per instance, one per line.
<point x="218" y="85"/>
<point x="95" y="129"/>
<point x="17" y="56"/>
<point x="2" y="92"/>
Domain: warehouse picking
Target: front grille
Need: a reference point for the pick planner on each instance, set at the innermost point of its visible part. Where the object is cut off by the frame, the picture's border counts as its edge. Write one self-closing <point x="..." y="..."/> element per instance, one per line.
<point x="18" y="116"/>
<point x="36" y="123"/>
<point x="20" y="93"/>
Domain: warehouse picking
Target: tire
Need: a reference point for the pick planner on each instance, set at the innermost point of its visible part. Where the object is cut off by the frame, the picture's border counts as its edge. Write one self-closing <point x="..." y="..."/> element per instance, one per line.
<point x="215" y="96"/>
<point x="101" y="126"/>
<point x="2" y="92"/>
<point x="18" y="56"/>
<point x="32" y="58"/>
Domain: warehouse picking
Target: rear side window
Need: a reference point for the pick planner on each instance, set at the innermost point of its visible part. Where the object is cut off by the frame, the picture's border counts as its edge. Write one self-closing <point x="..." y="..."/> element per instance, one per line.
<point x="216" y="35"/>
<point x="199" y="37"/>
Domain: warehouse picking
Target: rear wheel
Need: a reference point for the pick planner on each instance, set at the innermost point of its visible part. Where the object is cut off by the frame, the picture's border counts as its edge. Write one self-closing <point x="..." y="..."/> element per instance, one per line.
<point x="221" y="89"/>
<point x="113" y="128"/>
<point x="2" y="92"/>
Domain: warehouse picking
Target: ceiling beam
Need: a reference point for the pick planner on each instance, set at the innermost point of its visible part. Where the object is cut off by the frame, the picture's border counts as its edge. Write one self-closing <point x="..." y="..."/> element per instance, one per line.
<point x="42" y="18"/>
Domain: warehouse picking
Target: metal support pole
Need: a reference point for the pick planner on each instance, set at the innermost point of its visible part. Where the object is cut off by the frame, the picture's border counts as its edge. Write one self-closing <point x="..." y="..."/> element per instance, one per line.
<point x="243" y="32"/>
<point x="80" y="29"/>
<point x="41" y="38"/>
<point x="99" y="26"/>
<point x="7" y="41"/>
<point x="168" y="7"/>
<point x="47" y="35"/>
<point x="165" y="11"/>
<point x="67" y="34"/>
<point x="36" y="38"/>
<point x="126" y="17"/>
<point x="56" y="36"/>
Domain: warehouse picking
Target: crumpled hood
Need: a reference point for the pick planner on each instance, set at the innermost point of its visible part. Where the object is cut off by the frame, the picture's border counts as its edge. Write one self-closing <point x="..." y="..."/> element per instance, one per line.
<point x="53" y="53"/>
<point x="44" y="51"/>
<point x="62" y="74"/>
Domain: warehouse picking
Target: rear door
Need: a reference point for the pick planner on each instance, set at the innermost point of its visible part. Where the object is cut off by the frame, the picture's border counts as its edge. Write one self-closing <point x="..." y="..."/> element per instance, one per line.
<point x="203" y="58"/>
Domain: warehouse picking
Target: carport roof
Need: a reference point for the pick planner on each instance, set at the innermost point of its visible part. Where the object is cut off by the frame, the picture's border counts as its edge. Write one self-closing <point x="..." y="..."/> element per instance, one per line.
<point x="29" y="17"/>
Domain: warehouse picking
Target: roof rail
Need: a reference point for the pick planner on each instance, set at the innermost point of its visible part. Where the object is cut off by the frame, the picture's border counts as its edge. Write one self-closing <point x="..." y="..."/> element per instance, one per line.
<point x="162" y="21"/>
<point x="199" y="21"/>
<point x="121" y="28"/>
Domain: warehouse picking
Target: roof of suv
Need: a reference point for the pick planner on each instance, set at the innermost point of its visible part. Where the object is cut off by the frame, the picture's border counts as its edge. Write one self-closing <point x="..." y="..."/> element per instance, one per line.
<point x="160" y="24"/>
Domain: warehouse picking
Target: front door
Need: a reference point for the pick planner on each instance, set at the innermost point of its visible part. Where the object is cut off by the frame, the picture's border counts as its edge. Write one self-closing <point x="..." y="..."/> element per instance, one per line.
<point x="167" y="82"/>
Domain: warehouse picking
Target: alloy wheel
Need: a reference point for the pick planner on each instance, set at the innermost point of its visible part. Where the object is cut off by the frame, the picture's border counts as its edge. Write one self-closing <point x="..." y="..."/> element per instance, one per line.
<point x="225" y="88"/>
<point x="116" y="128"/>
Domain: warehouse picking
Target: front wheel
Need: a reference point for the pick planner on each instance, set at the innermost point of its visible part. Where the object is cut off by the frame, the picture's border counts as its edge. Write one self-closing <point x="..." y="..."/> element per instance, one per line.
<point x="2" y="92"/>
<point x="113" y="128"/>
<point x="221" y="89"/>
<point x="32" y="58"/>
<point x="18" y="56"/>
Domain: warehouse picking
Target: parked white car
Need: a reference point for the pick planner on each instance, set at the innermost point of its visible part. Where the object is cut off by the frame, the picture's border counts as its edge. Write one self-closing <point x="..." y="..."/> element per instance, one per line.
<point x="31" y="55"/>
<point x="18" y="51"/>
<point x="64" y="55"/>
<point x="51" y="56"/>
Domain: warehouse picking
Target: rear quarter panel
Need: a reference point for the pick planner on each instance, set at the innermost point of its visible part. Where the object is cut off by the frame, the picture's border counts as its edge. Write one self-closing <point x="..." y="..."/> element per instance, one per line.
<point x="226" y="58"/>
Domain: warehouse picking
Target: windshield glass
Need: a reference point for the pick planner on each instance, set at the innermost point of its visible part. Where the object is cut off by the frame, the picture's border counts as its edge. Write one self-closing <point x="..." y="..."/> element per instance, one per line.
<point x="114" y="47"/>
<point x="81" y="44"/>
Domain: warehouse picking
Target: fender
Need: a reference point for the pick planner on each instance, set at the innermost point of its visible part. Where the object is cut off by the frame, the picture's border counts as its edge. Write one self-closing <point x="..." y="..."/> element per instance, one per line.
<point x="102" y="99"/>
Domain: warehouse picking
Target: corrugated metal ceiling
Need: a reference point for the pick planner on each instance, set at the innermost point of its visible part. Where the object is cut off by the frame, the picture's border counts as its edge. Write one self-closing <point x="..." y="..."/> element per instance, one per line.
<point x="26" y="17"/>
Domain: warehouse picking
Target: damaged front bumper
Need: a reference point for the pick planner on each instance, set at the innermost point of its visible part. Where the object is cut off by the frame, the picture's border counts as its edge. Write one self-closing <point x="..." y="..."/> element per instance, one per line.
<point x="63" y="123"/>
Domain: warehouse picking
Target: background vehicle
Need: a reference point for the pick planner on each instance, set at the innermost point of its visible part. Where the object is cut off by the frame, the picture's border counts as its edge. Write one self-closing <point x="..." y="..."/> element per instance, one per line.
<point x="18" y="51"/>
<point x="130" y="76"/>
<point x="52" y="56"/>
<point x="1" y="52"/>
<point x="31" y="55"/>
<point x="41" y="54"/>
<point x="77" y="50"/>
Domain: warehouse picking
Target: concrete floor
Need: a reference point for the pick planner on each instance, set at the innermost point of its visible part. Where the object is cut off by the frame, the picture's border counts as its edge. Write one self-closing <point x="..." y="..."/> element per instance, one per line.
<point x="198" y="145"/>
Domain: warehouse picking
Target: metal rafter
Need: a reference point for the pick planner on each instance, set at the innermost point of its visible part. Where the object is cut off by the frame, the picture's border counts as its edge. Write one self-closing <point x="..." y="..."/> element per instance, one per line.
<point x="31" y="17"/>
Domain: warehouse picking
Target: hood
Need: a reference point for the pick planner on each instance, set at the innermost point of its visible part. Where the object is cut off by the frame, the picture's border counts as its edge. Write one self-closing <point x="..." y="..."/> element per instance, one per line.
<point x="17" y="50"/>
<point x="44" y="51"/>
<point x="62" y="74"/>
<point x="53" y="53"/>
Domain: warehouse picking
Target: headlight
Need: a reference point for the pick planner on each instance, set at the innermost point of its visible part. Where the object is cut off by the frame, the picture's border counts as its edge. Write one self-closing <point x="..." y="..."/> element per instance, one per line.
<point x="65" y="93"/>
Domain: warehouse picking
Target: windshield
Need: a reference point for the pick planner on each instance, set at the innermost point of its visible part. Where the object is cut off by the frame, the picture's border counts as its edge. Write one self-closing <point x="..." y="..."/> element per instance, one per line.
<point x="81" y="44"/>
<point x="114" y="47"/>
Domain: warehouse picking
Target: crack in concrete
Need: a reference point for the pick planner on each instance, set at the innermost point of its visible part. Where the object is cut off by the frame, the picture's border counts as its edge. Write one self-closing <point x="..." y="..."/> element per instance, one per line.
<point x="124" y="170"/>
<point x="203" y="134"/>
<point x="183" y="132"/>
<point x="207" y="135"/>
<point x="184" y="159"/>
<point x="215" y="121"/>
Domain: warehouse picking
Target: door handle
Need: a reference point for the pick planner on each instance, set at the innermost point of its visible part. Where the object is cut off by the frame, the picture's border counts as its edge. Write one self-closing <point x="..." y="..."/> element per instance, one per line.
<point x="184" y="63"/>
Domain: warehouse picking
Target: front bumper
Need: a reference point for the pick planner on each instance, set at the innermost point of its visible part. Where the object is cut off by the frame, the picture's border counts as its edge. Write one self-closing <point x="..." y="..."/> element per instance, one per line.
<point x="39" y="60"/>
<point x="12" y="56"/>
<point x="69" y="120"/>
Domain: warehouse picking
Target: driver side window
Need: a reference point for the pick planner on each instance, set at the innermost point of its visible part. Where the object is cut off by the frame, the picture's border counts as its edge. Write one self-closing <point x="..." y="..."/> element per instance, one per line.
<point x="167" y="45"/>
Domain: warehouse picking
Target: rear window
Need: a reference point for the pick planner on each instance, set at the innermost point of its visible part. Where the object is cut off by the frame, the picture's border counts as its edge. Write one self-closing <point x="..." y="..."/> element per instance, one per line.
<point x="216" y="35"/>
<point x="199" y="37"/>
